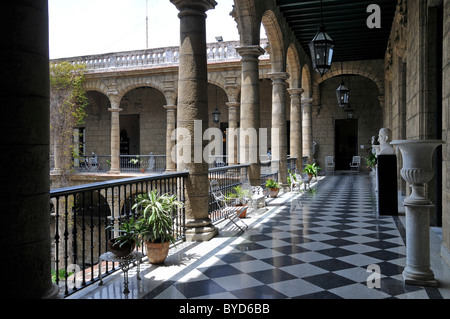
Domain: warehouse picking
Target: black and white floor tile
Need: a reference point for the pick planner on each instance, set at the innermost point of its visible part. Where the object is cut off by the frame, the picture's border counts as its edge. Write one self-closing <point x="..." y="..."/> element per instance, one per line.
<point x="321" y="245"/>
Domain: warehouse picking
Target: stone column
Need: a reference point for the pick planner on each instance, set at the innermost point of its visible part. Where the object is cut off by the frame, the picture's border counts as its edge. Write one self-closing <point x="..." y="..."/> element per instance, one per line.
<point x="279" y="125"/>
<point x="25" y="245"/>
<point x="307" y="129"/>
<point x="170" y="144"/>
<point x="296" y="126"/>
<point x="232" y="145"/>
<point x="192" y="109"/>
<point x="250" y="111"/>
<point x="115" y="134"/>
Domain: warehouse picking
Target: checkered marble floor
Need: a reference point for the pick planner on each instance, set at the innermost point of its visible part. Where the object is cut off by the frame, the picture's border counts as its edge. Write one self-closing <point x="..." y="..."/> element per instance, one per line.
<point x="320" y="246"/>
<point x="316" y="245"/>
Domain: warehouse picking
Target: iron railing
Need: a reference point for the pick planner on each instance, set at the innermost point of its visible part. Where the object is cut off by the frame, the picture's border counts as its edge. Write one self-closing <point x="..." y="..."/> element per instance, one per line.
<point x="80" y="217"/>
<point x="228" y="177"/>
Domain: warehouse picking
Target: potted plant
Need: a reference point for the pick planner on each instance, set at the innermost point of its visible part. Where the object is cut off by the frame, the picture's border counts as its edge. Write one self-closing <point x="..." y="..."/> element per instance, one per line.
<point x="312" y="170"/>
<point x="371" y="161"/>
<point x="127" y="240"/>
<point x="273" y="186"/>
<point x="240" y="195"/>
<point x="155" y="223"/>
<point x="136" y="161"/>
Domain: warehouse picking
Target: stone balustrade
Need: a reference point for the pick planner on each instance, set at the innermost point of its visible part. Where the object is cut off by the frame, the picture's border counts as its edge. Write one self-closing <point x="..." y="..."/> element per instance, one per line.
<point x="168" y="56"/>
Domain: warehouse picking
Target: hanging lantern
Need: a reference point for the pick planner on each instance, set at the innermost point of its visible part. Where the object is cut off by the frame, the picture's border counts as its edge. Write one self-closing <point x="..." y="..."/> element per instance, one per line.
<point x="216" y="116"/>
<point x="342" y="95"/>
<point x="321" y="48"/>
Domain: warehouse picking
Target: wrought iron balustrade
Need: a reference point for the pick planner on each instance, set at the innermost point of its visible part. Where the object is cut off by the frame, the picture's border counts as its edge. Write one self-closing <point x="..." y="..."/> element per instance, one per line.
<point x="80" y="217"/>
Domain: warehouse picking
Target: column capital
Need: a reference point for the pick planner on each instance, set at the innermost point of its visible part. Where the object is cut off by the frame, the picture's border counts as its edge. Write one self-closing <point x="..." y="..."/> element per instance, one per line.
<point x="233" y="104"/>
<point x="278" y="76"/>
<point x="296" y="92"/>
<point x="170" y="107"/>
<point x="194" y="5"/>
<point x="250" y="51"/>
<point x="115" y="109"/>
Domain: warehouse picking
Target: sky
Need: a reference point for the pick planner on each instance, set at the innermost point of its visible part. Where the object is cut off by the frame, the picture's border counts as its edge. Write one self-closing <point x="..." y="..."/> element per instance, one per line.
<point x="87" y="27"/>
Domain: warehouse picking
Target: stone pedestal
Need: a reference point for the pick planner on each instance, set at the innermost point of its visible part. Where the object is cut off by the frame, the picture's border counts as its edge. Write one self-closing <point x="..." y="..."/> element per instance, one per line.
<point x="387" y="185"/>
<point x="417" y="170"/>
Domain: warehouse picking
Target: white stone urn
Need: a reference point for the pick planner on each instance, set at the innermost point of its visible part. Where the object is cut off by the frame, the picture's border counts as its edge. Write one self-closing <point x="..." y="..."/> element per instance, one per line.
<point x="417" y="170"/>
<point x="417" y="166"/>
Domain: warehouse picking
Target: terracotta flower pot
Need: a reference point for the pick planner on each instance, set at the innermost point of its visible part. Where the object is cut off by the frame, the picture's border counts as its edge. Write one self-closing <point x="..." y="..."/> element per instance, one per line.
<point x="157" y="252"/>
<point x="244" y="213"/>
<point x="123" y="251"/>
<point x="274" y="192"/>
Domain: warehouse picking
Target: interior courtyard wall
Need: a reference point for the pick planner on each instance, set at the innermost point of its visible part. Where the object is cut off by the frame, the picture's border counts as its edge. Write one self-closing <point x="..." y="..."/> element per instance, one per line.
<point x="421" y="87"/>
<point x="97" y="124"/>
<point x="364" y="100"/>
<point x="147" y="103"/>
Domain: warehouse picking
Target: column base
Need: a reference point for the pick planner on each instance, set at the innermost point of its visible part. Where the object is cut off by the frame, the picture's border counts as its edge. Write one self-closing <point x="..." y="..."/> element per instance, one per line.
<point x="200" y="230"/>
<point x="419" y="278"/>
<point x="114" y="172"/>
<point x="52" y="293"/>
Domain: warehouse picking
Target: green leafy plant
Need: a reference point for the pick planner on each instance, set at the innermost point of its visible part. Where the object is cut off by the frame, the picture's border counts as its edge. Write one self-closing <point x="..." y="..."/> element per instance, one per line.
<point x="240" y="194"/>
<point x="272" y="184"/>
<point x="291" y="177"/>
<point x="312" y="169"/>
<point x="155" y="221"/>
<point x="371" y="160"/>
<point x="129" y="233"/>
<point x="60" y="274"/>
<point x="135" y="160"/>
<point x="68" y="101"/>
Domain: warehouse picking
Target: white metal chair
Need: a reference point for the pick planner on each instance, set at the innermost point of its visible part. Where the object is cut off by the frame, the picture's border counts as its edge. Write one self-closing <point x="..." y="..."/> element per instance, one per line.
<point x="232" y="213"/>
<point x="257" y="199"/>
<point x="306" y="180"/>
<point x="329" y="164"/>
<point x="296" y="181"/>
<point x="356" y="163"/>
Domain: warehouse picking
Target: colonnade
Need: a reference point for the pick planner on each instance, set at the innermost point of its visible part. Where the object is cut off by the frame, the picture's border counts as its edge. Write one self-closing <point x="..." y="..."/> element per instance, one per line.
<point x="190" y="104"/>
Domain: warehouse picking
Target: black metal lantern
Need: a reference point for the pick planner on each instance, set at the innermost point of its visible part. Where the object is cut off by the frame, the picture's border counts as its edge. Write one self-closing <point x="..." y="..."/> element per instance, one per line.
<point x="342" y="95"/>
<point x="216" y="116"/>
<point x="321" y="48"/>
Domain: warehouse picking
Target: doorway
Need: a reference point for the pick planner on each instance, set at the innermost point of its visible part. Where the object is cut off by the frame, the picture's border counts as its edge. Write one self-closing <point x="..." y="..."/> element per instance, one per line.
<point x="130" y="134"/>
<point x="346" y="142"/>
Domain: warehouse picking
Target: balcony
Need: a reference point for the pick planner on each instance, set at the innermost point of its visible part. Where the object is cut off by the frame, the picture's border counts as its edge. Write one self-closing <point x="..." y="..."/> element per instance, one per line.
<point x="321" y="242"/>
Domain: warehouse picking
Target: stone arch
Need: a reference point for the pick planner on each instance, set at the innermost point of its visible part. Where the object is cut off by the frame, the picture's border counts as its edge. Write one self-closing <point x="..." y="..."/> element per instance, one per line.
<point x="373" y="70"/>
<point x="127" y="85"/>
<point x="96" y="85"/>
<point x="293" y="67"/>
<point x="276" y="43"/>
<point x="306" y="81"/>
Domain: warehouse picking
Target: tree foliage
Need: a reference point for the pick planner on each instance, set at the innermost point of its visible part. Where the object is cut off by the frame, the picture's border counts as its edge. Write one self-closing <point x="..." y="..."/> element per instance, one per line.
<point x="67" y="109"/>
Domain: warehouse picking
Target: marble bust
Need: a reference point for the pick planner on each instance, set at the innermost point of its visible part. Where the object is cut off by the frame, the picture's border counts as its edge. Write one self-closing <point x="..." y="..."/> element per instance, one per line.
<point x="384" y="137"/>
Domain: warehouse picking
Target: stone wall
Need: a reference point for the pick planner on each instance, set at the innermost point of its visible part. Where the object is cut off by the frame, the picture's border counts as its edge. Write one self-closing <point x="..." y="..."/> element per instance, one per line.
<point x="413" y="95"/>
<point x="446" y="134"/>
<point x="364" y="100"/>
